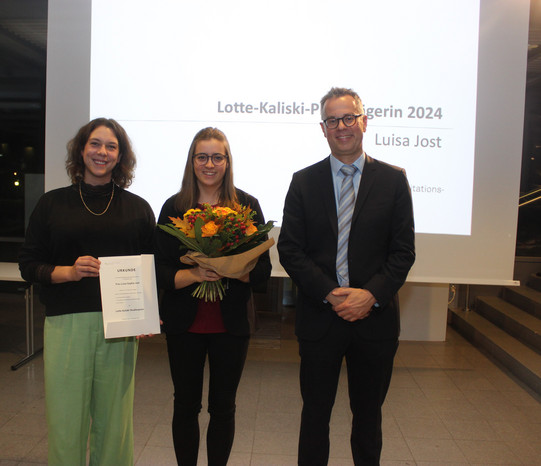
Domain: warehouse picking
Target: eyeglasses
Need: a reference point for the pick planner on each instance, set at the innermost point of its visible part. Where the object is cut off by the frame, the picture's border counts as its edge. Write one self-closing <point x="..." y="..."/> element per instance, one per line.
<point x="202" y="159"/>
<point x="348" y="120"/>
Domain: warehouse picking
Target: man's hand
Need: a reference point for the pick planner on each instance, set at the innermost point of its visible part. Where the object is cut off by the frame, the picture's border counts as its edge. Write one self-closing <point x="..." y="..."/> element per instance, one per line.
<point x="351" y="304"/>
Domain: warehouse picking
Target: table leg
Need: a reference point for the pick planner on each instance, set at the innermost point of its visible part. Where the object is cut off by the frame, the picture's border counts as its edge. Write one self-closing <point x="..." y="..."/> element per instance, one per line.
<point x="31" y="353"/>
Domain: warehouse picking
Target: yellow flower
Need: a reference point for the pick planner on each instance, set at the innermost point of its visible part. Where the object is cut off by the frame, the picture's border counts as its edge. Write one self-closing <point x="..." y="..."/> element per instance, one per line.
<point x="224" y="211"/>
<point x="191" y="212"/>
<point x="209" y="229"/>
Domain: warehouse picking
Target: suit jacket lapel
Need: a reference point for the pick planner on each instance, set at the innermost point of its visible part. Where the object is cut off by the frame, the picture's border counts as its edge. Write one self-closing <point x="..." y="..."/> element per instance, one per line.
<point x="326" y="185"/>
<point x="367" y="179"/>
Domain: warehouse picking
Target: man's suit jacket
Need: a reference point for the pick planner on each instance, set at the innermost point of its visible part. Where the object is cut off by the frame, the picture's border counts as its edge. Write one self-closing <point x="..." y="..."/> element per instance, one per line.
<point x="380" y="252"/>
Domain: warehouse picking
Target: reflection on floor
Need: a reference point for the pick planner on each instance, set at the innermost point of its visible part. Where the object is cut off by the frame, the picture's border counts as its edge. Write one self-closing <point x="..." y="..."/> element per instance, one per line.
<point x="448" y="405"/>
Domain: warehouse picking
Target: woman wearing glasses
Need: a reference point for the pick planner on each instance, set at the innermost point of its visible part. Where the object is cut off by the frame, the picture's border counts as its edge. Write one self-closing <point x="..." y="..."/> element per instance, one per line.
<point x="197" y="329"/>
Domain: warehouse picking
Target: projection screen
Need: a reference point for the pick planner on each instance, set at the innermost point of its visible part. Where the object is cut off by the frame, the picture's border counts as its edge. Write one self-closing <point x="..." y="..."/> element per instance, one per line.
<point x="442" y="84"/>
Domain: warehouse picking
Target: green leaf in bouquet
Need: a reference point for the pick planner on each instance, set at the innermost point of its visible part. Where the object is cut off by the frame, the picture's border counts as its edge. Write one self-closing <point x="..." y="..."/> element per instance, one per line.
<point x="250" y="242"/>
<point x="199" y="222"/>
<point x="205" y="245"/>
<point x="190" y="243"/>
<point x="264" y="229"/>
<point x="214" y="248"/>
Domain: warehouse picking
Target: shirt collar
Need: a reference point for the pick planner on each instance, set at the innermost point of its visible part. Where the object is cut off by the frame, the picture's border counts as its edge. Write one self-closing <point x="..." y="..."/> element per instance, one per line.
<point x="336" y="164"/>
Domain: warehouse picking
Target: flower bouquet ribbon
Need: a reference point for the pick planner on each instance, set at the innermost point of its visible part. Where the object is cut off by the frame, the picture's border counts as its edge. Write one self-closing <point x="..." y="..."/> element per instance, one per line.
<point x="221" y="239"/>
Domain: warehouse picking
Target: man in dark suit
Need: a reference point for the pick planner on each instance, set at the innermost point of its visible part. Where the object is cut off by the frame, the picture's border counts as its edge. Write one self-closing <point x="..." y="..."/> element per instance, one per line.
<point x="347" y="288"/>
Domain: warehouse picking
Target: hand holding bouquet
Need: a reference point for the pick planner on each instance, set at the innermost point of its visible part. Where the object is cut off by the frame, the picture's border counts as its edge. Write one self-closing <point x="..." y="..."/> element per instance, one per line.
<point x="222" y="239"/>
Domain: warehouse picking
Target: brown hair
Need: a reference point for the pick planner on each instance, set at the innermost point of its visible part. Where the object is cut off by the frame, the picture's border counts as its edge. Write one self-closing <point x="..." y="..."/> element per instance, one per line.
<point x="122" y="174"/>
<point x="340" y="92"/>
<point x="188" y="196"/>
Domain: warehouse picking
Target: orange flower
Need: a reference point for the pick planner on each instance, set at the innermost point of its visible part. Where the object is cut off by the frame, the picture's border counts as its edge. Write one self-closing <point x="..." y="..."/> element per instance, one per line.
<point x="251" y="229"/>
<point x="209" y="229"/>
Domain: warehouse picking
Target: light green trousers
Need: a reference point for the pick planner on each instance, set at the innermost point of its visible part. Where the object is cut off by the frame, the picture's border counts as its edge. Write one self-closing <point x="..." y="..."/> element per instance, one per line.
<point x="89" y="388"/>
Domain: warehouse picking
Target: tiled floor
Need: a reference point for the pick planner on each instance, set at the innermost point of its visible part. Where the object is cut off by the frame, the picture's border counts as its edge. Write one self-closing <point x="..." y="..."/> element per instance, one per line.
<point x="448" y="405"/>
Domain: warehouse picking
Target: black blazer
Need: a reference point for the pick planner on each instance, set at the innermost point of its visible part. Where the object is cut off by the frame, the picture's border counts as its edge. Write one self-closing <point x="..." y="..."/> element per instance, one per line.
<point x="177" y="307"/>
<point x="380" y="252"/>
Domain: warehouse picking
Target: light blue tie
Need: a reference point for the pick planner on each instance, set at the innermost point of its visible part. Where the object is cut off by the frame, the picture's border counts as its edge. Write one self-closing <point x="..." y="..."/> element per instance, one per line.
<point x="346" y="205"/>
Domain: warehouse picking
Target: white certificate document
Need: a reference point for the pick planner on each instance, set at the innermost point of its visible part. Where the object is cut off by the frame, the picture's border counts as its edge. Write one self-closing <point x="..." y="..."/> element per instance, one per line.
<point x="129" y="296"/>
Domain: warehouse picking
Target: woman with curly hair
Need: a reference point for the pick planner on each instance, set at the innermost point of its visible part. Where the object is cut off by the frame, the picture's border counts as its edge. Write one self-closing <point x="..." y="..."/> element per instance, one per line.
<point x="89" y="381"/>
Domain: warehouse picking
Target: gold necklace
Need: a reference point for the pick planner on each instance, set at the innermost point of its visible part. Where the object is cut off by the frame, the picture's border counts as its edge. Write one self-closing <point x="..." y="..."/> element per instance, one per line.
<point x="108" y="204"/>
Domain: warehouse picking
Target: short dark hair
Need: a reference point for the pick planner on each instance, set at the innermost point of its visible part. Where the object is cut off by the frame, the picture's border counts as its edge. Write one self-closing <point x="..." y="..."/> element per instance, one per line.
<point x="122" y="174"/>
<point x="340" y="92"/>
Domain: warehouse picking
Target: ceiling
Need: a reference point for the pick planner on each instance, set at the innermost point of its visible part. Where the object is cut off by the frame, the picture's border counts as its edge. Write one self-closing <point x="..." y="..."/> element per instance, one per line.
<point x="23" y="38"/>
<point x="534" y="46"/>
<point x="23" y="52"/>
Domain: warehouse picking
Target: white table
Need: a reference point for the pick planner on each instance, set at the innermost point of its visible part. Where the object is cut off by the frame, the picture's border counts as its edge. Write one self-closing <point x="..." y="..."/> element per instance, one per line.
<point x="9" y="272"/>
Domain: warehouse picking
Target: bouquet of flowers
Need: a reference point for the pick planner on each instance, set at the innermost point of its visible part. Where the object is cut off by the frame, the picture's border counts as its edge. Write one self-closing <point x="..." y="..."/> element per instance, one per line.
<point x="220" y="238"/>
